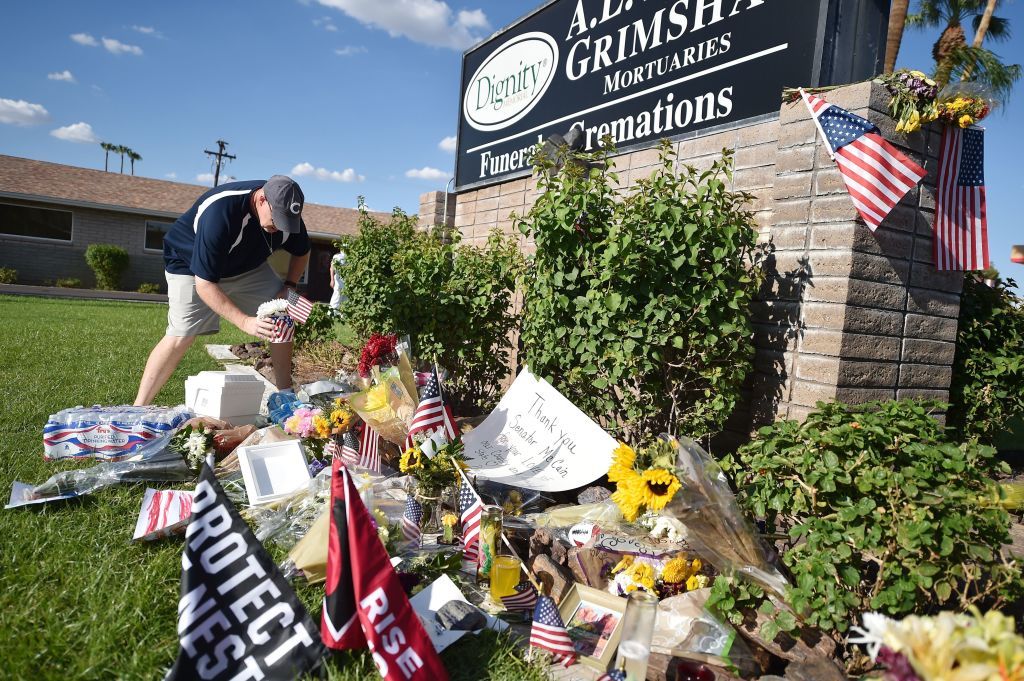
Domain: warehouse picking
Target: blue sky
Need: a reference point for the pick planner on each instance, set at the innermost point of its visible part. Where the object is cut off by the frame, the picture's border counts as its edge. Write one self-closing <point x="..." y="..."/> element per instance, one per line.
<point x="354" y="97"/>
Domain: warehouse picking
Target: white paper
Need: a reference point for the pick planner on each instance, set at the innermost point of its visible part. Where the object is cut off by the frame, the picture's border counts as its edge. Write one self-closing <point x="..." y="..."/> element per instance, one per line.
<point x="537" y="439"/>
<point x="163" y="513"/>
<point x="427" y="602"/>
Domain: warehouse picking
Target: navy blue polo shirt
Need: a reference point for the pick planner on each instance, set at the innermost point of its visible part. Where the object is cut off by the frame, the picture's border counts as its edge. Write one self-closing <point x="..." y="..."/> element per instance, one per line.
<point x="220" y="235"/>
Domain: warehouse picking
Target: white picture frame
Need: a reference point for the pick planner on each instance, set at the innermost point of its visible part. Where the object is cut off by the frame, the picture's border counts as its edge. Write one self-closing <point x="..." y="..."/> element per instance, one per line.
<point x="273" y="471"/>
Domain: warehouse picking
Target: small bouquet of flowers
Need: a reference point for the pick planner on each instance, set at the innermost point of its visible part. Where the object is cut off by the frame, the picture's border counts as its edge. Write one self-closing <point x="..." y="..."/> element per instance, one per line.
<point x="380" y="351"/>
<point x="645" y="480"/>
<point x="194" y="444"/>
<point x="913" y="99"/>
<point x="664" y="578"/>
<point x="277" y="310"/>
<point x="945" y="647"/>
<point x="963" y="104"/>
<point x="310" y="424"/>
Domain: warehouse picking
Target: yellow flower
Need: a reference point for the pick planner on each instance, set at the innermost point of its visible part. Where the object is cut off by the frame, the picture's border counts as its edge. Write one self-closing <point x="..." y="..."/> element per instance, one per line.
<point x="411" y="460"/>
<point x="696" y="565"/>
<point x="965" y="121"/>
<point x="449" y="519"/>
<point x="341" y="419"/>
<point x="377" y="398"/>
<point x="642" y="574"/>
<point x="696" y="582"/>
<point x="657" y="487"/>
<point x="626" y="562"/>
<point x="322" y="426"/>
<point x="676" y="570"/>
<point x="918" y="74"/>
<point x="629" y="496"/>
<point x="899" y="125"/>
<point x="623" y="459"/>
<point x="914" y="123"/>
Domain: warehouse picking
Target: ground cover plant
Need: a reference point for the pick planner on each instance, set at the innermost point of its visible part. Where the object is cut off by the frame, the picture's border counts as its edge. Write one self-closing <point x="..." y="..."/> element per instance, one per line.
<point x="78" y="598"/>
<point x="883" y="511"/>
<point x="636" y="302"/>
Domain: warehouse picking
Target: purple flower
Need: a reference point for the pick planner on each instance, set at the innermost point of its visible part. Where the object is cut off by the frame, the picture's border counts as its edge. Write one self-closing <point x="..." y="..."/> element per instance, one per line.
<point x="315" y="466"/>
<point x="898" y="668"/>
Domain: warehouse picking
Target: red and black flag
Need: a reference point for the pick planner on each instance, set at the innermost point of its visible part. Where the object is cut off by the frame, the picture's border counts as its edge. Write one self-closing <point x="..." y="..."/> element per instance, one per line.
<point x="365" y="605"/>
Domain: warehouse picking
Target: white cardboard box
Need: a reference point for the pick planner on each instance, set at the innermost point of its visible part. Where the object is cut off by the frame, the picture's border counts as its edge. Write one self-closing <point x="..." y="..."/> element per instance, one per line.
<point x="233" y="397"/>
<point x="272" y="471"/>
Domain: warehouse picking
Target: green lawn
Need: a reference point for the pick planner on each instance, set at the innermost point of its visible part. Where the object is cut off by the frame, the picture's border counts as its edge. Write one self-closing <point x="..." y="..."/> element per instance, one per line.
<point x="79" y="599"/>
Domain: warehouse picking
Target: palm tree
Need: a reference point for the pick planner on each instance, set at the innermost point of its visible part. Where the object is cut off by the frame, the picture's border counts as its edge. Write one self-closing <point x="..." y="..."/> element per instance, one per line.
<point x="121" y="149"/>
<point x="897" y="21"/>
<point x="107" y="148"/>
<point x="133" y="157"/>
<point x="954" y="58"/>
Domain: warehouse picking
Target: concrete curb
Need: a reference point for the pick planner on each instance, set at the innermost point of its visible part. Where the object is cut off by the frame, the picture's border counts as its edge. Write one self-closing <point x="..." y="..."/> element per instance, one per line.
<point x="79" y="293"/>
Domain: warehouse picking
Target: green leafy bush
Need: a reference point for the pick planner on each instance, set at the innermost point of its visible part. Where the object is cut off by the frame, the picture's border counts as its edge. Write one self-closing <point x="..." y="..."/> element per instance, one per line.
<point x="8" y="275"/>
<point x="636" y="303"/>
<point x="108" y="263"/>
<point x="148" y="287"/>
<point x="318" y="327"/>
<point x="883" y="512"/>
<point x="988" y="373"/>
<point x="69" y="282"/>
<point x="453" y="301"/>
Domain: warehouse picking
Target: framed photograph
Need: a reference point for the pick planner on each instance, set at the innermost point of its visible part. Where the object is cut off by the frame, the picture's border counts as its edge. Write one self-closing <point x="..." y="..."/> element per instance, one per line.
<point x="272" y="471"/>
<point x="593" y="619"/>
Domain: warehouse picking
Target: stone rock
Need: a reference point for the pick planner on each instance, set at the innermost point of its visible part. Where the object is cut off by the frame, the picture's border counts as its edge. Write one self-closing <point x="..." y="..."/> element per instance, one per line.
<point x="801" y="645"/>
<point x="540" y="542"/>
<point x="591" y="566"/>
<point x="560" y="552"/>
<point x="815" y="669"/>
<point x="593" y="495"/>
<point x="551" y="574"/>
<point x="458" y="615"/>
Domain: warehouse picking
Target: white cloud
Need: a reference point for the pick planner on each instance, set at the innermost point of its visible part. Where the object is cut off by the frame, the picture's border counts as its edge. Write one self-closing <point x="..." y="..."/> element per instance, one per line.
<point x="20" y="112"/>
<point x="84" y="39"/>
<point x="205" y="178"/>
<point x="327" y="23"/>
<point x="117" y="47"/>
<point x="171" y="176"/>
<point x="349" y="50"/>
<point x="427" y="173"/>
<point x="148" y="30"/>
<point x="64" y="75"/>
<point x="431" y="22"/>
<point x="447" y="144"/>
<point x="305" y="169"/>
<point x="76" y="132"/>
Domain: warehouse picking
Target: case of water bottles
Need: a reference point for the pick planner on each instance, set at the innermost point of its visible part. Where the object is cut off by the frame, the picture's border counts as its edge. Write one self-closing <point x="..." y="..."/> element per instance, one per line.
<point x="109" y="433"/>
<point x="229" y="396"/>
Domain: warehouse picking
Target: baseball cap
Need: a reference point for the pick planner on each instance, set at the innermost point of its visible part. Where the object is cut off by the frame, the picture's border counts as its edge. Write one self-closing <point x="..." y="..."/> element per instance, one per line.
<point x="286" y="200"/>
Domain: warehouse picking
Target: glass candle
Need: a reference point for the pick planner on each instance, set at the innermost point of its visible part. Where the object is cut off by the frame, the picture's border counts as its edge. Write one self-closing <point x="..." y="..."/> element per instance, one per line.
<point x="637" y="630"/>
<point x="504" y="577"/>
<point x="490" y="538"/>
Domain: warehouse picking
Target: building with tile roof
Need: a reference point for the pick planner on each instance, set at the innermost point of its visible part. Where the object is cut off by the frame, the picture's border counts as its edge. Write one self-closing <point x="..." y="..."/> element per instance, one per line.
<point x="50" y="213"/>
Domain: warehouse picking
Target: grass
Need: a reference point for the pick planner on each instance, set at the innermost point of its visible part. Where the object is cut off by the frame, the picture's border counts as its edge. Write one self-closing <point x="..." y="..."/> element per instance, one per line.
<point x="78" y="598"/>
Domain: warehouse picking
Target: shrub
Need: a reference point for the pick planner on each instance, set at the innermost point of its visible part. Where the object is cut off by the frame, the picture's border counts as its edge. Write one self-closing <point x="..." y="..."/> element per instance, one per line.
<point x="69" y="282"/>
<point x="637" y="304"/>
<point x="108" y="263"/>
<point x="453" y="301"/>
<point x="318" y="327"/>
<point x="8" y="275"/>
<point x="987" y="388"/>
<point x="882" y="512"/>
<point x="148" y="287"/>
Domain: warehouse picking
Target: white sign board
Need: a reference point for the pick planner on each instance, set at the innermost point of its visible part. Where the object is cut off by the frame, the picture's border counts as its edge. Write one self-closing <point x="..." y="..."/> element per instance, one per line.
<point x="535" y="438"/>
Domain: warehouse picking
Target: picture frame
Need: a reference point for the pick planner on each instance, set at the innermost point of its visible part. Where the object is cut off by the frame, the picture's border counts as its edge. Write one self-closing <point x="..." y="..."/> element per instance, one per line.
<point x="272" y="471"/>
<point x="593" y="620"/>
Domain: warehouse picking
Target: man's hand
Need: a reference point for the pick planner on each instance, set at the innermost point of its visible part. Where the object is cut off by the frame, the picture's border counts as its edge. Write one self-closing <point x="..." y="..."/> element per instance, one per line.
<point x="261" y="328"/>
<point x="283" y="293"/>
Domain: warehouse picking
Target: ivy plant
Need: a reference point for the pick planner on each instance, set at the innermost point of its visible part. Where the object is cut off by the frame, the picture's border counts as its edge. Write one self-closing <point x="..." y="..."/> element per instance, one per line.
<point x="988" y="373"/>
<point x="883" y="513"/>
<point x="636" y="302"/>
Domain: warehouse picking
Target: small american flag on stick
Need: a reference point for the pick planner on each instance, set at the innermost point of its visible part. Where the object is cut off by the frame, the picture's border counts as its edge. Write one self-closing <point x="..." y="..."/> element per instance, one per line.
<point x="548" y="632"/>
<point x="411" y="520"/>
<point x="877" y="175"/>
<point x="369" y="449"/>
<point x="299" y="307"/>
<point x="470" y="511"/>
<point x="525" y="598"/>
<point x="432" y="412"/>
<point x="961" y="228"/>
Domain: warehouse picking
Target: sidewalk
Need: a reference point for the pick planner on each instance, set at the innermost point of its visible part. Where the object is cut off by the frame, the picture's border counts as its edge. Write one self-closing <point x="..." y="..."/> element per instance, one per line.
<point x="88" y="294"/>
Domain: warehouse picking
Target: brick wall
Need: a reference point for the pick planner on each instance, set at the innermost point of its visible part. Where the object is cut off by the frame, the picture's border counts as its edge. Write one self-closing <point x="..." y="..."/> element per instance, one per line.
<point x="845" y="314"/>
<point x="40" y="260"/>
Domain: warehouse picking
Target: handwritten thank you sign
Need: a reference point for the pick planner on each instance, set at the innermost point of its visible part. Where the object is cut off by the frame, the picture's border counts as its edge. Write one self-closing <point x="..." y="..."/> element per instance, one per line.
<point x="536" y="438"/>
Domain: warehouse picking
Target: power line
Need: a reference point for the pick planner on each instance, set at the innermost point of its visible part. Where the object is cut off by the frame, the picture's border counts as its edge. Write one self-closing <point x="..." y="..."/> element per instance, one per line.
<point x="220" y="154"/>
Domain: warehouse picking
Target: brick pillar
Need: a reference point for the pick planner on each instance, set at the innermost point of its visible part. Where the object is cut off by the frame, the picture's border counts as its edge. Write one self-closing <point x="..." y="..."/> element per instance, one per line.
<point x="848" y="314"/>
<point x="432" y="209"/>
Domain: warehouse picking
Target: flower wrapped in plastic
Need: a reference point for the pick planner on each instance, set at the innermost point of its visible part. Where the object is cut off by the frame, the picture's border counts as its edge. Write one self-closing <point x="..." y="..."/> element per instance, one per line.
<point x="386" y="406"/>
<point x="964" y="104"/>
<point x="913" y="99"/>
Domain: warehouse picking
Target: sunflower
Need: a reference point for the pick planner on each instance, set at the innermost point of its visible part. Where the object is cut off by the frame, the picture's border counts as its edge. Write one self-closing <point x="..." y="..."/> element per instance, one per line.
<point x="623" y="459"/>
<point x="411" y="460"/>
<point x="322" y="427"/>
<point x="657" y="486"/>
<point x="341" y="419"/>
<point x="629" y="495"/>
<point x="676" y="570"/>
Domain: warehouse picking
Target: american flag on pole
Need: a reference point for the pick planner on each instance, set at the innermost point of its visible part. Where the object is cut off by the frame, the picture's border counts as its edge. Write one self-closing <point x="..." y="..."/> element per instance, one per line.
<point x="369" y="449"/>
<point x="432" y="412"/>
<point x="525" y="598"/>
<point x="613" y="675"/>
<point x="299" y="307"/>
<point x="349" y="450"/>
<point x="411" y="520"/>
<point x="961" y="229"/>
<point x="548" y="632"/>
<point x="470" y="511"/>
<point x="877" y="175"/>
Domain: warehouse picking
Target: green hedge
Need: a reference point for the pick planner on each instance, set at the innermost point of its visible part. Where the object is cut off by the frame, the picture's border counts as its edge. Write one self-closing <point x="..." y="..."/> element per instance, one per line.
<point x="108" y="263"/>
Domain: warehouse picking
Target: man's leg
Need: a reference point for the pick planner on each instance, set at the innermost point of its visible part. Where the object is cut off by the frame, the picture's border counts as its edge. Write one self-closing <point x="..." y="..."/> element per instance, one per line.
<point x="281" y="357"/>
<point x="161" y="364"/>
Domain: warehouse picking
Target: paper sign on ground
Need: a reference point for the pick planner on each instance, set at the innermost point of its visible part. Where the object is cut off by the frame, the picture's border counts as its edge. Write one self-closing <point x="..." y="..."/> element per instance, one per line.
<point x="164" y="512"/>
<point x="427" y="602"/>
<point x="536" y="438"/>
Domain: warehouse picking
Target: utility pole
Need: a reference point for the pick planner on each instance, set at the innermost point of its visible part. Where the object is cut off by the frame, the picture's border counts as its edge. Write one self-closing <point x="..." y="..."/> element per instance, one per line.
<point x="220" y="154"/>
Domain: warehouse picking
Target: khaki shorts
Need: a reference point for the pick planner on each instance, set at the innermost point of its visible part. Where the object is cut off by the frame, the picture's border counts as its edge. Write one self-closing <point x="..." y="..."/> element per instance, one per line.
<point x="188" y="315"/>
